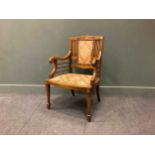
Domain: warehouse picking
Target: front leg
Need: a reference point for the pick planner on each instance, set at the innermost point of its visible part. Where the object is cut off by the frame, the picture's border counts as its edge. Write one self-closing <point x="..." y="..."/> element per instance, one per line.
<point x="88" y="105"/>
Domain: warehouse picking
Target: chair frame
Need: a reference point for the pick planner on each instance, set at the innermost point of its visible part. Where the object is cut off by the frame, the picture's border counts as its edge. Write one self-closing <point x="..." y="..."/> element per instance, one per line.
<point x="64" y="65"/>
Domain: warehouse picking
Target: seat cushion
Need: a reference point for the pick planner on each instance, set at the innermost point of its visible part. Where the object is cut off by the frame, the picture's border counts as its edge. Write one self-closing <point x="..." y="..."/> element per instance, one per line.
<point x="72" y="80"/>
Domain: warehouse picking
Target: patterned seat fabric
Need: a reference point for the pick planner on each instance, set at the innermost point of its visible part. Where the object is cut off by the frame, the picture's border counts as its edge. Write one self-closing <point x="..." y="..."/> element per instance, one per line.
<point x="85" y="52"/>
<point x="72" y="80"/>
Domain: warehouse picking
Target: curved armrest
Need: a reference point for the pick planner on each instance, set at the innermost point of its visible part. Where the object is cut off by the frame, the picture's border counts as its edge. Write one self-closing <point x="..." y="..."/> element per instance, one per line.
<point x="51" y="59"/>
<point x="98" y="58"/>
<point x="95" y="61"/>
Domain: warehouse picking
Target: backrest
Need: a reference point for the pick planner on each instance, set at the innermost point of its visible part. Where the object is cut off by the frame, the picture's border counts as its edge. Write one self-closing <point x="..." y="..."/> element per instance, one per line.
<point x="85" y="48"/>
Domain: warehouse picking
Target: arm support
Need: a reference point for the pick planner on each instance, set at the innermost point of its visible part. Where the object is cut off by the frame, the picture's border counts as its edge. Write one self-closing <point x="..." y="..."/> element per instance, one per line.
<point x="88" y="67"/>
<point x="53" y="60"/>
<point x="95" y="60"/>
<point x="93" y="77"/>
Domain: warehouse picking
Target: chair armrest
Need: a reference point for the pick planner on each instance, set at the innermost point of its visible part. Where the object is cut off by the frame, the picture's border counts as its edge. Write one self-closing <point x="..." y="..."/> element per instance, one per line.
<point x="95" y="60"/>
<point x="53" y="60"/>
<point x="88" y="67"/>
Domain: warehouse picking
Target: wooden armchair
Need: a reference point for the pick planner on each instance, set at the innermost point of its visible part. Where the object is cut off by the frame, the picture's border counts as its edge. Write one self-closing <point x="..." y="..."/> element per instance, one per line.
<point x="85" y="52"/>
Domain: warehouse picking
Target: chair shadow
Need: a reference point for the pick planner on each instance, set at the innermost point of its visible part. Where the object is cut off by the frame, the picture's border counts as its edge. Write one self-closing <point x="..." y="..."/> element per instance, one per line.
<point x="72" y="105"/>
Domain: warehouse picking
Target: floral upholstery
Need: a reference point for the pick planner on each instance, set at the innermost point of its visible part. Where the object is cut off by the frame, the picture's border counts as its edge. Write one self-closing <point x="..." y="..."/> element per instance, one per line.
<point x="85" y="52"/>
<point x="72" y="80"/>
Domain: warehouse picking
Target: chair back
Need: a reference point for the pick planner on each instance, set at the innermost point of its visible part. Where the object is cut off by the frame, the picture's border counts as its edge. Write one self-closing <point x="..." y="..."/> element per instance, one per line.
<point x="85" y="48"/>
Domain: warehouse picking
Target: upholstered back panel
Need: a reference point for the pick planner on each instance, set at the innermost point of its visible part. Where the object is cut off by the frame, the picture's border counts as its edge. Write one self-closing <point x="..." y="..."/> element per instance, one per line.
<point x="85" y="49"/>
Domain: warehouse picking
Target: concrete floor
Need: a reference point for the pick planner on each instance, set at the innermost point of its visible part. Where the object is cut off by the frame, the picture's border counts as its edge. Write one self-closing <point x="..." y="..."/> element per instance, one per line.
<point x="26" y="114"/>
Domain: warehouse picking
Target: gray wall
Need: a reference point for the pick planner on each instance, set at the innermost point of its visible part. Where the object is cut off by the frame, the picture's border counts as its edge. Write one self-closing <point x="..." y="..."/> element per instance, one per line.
<point x="129" y="56"/>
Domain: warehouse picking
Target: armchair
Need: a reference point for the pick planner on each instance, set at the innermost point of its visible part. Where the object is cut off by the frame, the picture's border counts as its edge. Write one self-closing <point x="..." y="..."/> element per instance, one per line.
<point x="85" y="52"/>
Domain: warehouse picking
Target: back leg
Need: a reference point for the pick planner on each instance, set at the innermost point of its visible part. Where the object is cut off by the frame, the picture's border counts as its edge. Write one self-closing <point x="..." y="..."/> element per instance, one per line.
<point x="73" y="92"/>
<point x="98" y="92"/>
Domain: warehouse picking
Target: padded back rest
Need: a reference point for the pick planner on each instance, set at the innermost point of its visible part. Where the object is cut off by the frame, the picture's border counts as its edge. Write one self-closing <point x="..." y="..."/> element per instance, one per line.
<point x="85" y="48"/>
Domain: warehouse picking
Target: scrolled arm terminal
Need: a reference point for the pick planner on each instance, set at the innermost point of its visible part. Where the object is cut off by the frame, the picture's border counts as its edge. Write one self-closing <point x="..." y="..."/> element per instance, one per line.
<point x="53" y="60"/>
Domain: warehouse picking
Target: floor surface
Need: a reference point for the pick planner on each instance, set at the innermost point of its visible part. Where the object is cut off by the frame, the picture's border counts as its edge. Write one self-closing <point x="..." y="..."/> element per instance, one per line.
<point x="26" y="114"/>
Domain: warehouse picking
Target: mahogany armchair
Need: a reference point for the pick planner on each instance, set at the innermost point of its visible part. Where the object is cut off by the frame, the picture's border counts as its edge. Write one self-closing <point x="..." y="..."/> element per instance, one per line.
<point x="85" y="52"/>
